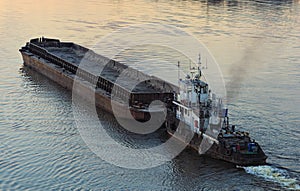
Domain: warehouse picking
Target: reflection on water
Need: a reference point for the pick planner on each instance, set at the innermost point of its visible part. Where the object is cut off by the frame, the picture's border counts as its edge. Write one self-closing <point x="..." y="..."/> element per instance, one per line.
<point x="256" y="44"/>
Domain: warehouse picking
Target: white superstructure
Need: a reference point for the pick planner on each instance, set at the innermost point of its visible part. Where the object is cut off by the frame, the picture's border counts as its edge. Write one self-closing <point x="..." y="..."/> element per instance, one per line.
<point x="197" y="106"/>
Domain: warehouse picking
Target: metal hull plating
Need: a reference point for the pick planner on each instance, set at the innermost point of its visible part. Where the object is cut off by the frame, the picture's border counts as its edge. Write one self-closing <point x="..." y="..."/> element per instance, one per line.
<point x="219" y="151"/>
<point x="83" y="88"/>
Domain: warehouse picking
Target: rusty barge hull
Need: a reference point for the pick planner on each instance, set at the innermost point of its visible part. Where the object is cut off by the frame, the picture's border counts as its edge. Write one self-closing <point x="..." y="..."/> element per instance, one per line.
<point x="63" y="62"/>
<point x="66" y="80"/>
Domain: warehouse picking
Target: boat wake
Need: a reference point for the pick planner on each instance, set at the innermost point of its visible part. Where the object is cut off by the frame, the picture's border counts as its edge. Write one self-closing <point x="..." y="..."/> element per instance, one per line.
<point x="274" y="174"/>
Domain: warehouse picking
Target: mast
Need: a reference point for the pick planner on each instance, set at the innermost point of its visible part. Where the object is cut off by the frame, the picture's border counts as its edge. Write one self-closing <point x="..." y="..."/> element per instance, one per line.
<point x="178" y="74"/>
<point x="177" y="97"/>
<point x="199" y="66"/>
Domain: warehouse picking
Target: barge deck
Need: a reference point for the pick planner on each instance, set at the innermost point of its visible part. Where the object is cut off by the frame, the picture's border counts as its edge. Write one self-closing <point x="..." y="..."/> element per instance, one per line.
<point x="62" y="61"/>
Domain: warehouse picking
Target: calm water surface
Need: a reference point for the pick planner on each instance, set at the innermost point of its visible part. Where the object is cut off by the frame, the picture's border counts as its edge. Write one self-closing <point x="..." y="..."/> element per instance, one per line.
<point x="256" y="43"/>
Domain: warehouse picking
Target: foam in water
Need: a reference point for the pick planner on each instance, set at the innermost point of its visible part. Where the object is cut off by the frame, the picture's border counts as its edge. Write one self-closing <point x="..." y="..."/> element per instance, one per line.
<point x="275" y="175"/>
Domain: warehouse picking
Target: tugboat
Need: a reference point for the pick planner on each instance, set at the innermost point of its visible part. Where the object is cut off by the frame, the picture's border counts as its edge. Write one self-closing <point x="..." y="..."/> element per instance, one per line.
<point x="205" y="118"/>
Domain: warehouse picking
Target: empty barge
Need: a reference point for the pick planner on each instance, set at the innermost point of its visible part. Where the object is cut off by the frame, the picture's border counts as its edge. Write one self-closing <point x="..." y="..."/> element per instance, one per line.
<point x="63" y="61"/>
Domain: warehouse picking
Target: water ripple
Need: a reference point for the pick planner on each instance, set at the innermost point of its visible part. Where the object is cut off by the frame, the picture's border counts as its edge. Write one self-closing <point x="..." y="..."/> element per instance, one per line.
<point x="40" y="147"/>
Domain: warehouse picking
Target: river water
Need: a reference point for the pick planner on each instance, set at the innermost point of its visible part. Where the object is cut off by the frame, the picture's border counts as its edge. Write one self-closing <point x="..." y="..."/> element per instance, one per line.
<point x="257" y="46"/>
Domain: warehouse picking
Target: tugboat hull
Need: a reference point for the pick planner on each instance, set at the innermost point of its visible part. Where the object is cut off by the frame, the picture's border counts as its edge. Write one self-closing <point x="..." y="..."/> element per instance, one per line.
<point x="219" y="151"/>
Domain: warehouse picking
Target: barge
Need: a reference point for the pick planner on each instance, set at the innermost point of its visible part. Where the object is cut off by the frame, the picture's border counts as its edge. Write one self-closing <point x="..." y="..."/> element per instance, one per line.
<point x="192" y="104"/>
<point x="62" y="62"/>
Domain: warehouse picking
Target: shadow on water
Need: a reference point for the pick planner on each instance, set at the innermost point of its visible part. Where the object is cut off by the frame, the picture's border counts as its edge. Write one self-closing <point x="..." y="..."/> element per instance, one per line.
<point x="47" y="103"/>
<point x="39" y="83"/>
<point x="32" y="78"/>
<point x="189" y="162"/>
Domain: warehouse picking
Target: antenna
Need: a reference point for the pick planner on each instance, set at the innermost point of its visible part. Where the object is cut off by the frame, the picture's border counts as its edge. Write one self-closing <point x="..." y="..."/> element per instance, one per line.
<point x="192" y="68"/>
<point x="199" y="65"/>
<point x="178" y="65"/>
